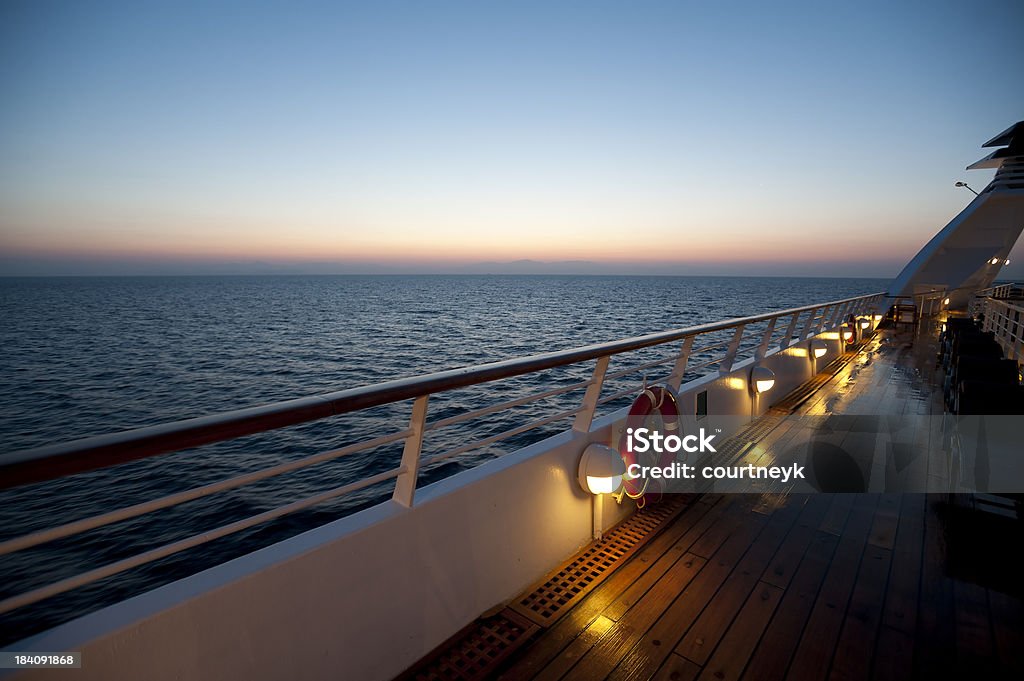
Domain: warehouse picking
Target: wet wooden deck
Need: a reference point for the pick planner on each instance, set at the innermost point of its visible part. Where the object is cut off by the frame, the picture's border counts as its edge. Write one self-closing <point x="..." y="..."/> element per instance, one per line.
<point x="814" y="586"/>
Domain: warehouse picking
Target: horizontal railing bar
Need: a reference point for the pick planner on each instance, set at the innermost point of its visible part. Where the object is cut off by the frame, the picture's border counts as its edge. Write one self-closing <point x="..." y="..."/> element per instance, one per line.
<point x="713" y="346"/>
<point x="107" y="450"/>
<point x="704" y="364"/>
<point x="49" y="590"/>
<point x="639" y="367"/>
<point x="637" y="388"/>
<point x="616" y="395"/>
<point x="500" y="436"/>
<point x="476" y="413"/>
<point x="85" y="524"/>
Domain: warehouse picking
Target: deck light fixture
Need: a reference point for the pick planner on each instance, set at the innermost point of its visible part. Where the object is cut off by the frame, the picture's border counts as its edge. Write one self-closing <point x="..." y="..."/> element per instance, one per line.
<point x="864" y="323"/>
<point x="1006" y="262"/>
<point x="601" y="469"/>
<point x="848" y="335"/>
<point x="964" y="184"/>
<point x="993" y="261"/>
<point x="762" y="379"/>
<point x="818" y="348"/>
<point x="945" y="301"/>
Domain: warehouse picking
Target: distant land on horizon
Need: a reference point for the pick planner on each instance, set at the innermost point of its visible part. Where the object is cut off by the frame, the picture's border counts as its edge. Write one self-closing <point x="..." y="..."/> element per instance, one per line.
<point x="56" y="267"/>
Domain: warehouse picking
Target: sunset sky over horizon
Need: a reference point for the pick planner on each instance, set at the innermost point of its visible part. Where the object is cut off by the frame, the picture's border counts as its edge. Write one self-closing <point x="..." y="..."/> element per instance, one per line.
<point x="731" y="138"/>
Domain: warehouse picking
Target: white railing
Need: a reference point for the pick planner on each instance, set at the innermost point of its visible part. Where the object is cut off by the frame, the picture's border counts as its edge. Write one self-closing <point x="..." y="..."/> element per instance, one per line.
<point x="1002" y="291"/>
<point x="1007" y="322"/>
<point x="724" y="343"/>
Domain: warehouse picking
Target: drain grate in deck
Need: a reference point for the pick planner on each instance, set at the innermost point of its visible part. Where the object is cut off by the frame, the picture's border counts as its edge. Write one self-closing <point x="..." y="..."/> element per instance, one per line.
<point x="476" y="651"/>
<point x="556" y="595"/>
<point x="802" y="392"/>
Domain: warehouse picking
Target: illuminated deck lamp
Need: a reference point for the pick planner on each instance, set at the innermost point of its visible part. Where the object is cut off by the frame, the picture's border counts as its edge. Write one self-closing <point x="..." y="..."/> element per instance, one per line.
<point x="865" y="323"/>
<point x="945" y="301"/>
<point x="762" y="379"/>
<point x="601" y="471"/>
<point x="847" y="334"/>
<point x="993" y="261"/>
<point x="818" y="348"/>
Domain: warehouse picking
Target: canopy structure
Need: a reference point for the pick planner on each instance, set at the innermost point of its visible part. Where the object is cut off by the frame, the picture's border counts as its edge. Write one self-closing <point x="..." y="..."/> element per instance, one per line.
<point x="969" y="252"/>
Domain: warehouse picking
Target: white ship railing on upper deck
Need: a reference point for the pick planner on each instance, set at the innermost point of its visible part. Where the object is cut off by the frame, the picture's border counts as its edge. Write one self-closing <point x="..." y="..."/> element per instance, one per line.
<point x="786" y="327"/>
<point x="1000" y="292"/>
<point x="1006" y="321"/>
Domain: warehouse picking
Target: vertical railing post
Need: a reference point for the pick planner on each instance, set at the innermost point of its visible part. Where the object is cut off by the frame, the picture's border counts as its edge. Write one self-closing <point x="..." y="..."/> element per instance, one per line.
<point x="730" y="353"/>
<point x="585" y="416"/>
<point x="675" y="379"/>
<point x="807" y="326"/>
<point x="828" y="320"/>
<point x="788" y="340"/>
<point x="405" y="484"/>
<point x="844" y="310"/>
<point x="831" y="323"/>
<point x="768" y="333"/>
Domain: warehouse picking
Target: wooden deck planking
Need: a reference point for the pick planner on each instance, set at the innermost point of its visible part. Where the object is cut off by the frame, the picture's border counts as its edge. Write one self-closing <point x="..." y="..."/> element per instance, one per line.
<point x="773" y="654"/>
<point x="702" y="638"/>
<point x="814" y="654"/>
<point x="784" y="565"/>
<point x="644" y="658"/>
<point x="603" y="657"/>
<point x="643" y="584"/>
<point x="854" y="652"/>
<point x="677" y="668"/>
<point x="900" y="611"/>
<point x="731" y="656"/>
<point x="1007" y="632"/>
<point x="935" y="639"/>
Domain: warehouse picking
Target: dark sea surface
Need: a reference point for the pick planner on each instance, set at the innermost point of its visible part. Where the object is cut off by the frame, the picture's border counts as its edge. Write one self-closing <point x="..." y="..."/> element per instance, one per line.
<point x="87" y="356"/>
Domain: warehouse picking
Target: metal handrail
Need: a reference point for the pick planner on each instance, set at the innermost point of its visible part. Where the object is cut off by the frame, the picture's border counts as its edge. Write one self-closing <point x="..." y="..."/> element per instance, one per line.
<point x="1006" y="321"/>
<point x="78" y="456"/>
<point x="999" y="291"/>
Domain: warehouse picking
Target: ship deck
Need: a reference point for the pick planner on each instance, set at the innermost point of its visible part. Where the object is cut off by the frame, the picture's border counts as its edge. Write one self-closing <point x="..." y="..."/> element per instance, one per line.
<point x="813" y="586"/>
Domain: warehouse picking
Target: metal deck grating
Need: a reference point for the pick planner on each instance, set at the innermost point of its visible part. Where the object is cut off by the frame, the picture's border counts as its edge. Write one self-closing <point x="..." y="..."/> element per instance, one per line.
<point x="476" y="651"/>
<point x="803" y="392"/>
<point x="733" y="448"/>
<point x="553" y="597"/>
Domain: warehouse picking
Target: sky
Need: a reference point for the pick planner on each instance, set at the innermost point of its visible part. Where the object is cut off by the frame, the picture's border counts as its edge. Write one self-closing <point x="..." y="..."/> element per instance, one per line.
<point x="819" y="139"/>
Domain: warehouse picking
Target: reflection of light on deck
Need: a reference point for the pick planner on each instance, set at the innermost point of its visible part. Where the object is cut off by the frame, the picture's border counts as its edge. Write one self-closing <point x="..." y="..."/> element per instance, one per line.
<point x="601" y="625"/>
<point x="797" y="352"/>
<point x="831" y="335"/>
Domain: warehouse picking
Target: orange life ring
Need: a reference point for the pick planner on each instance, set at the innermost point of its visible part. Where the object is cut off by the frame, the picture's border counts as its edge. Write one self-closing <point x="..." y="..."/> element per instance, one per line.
<point x="663" y="401"/>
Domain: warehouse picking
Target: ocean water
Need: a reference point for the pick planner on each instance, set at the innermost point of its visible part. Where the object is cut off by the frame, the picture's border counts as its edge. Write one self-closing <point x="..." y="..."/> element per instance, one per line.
<point x="86" y="356"/>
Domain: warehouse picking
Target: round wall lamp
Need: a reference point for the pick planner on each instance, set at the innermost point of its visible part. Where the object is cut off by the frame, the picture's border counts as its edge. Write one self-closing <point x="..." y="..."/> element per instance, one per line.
<point x="601" y="469"/>
<point x="762" y="379"/>
<point x="819" y="348"/>
<point x="864" y="323"/>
